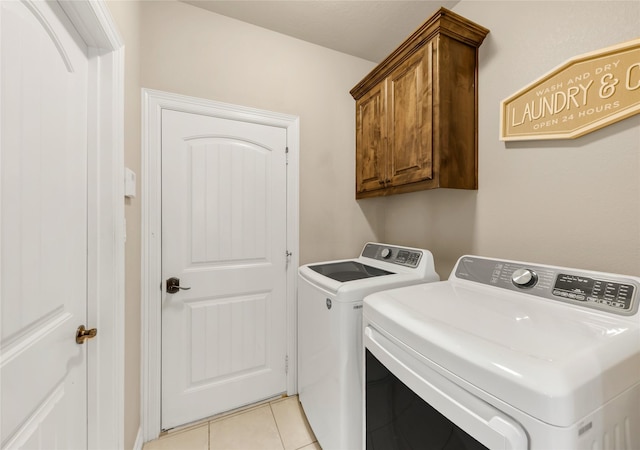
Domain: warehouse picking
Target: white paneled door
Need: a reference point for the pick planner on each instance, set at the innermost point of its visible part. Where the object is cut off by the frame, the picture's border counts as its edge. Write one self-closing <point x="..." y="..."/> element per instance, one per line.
<point x="224" y="238"/>
<point x="44" y="277"/>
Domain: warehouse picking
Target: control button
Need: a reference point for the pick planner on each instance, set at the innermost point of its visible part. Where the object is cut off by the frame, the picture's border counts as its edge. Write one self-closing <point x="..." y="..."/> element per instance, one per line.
<point x="386" y="253"/>
<point x="524" y="278"/>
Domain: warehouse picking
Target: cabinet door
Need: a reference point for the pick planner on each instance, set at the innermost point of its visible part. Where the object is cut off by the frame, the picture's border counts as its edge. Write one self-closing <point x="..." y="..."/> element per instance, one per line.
<point x="410" y="99"/>
<point x="370" y="140"/>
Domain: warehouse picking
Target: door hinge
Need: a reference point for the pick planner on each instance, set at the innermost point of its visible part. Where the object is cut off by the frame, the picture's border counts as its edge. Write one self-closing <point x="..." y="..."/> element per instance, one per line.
<point x="286" y="152"/>
<point x="286" y="364"/>
<point x="288" y="254"/>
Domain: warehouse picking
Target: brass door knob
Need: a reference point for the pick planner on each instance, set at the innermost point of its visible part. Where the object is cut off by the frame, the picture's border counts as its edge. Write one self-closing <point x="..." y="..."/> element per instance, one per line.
<point x="82" y="334"/>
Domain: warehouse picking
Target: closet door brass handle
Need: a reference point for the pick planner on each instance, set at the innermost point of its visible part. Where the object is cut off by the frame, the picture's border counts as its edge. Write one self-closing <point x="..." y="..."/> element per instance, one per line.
<point x="82" y="334"/>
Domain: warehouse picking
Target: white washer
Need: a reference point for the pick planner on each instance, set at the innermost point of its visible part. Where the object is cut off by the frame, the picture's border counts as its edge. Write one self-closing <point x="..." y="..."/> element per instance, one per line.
<point x="330" y="352"/>
<point x="504" y="355"/>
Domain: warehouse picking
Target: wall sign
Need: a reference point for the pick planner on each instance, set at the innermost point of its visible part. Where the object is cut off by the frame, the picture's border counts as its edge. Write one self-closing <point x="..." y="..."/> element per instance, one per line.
<point x="584" y="94"/>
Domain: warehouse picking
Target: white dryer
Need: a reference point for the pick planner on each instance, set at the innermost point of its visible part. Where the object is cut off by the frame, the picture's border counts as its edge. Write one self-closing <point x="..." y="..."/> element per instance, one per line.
<point x="330" y="352"/>
<point x="505" y="355"/>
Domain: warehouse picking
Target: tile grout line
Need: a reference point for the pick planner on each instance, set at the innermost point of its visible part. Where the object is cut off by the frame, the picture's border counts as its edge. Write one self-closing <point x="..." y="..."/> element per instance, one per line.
<point x="277" y="427"/>
<point x="314" y="440"/>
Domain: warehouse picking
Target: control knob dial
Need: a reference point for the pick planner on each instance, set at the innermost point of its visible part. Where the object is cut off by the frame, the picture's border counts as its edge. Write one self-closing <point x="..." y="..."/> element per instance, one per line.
<point x="524" y="278"/>
<point x="386" y="253"/>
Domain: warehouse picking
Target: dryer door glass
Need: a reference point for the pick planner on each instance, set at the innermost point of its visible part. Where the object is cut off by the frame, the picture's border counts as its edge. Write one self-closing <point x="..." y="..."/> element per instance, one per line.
<point x="397" y="418"/>
<point x="410" y="405"/>
<point x="348" y="271"/>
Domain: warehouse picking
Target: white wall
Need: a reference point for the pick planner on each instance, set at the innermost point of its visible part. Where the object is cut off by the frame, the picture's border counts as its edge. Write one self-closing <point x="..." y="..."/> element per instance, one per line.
<point x="570" y="202"/>
<point x="191" y="51"/>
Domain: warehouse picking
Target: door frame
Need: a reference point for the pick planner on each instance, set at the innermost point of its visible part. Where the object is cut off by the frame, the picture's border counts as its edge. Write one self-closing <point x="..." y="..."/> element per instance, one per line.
<point x="105" y="217"/>
<point x="153" y="102"/>
<point x="106" y="231"/>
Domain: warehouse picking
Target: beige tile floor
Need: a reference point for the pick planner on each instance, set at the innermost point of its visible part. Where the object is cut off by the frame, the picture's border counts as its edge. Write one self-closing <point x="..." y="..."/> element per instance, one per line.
<point x="276" y="425"/>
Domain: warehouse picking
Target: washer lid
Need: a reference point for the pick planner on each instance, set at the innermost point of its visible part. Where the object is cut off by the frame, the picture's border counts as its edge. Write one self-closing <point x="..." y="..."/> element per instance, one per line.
<point x="553" y="361"/>
<point x="348" y="270"/>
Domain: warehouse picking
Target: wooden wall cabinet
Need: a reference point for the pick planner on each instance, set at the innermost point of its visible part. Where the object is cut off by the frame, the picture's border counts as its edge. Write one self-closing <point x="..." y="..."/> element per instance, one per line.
<point x="416" y="112"/>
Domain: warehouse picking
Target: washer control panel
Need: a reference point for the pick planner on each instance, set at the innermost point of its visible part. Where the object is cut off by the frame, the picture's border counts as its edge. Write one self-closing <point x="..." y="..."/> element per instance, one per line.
<point x="396" y="255"/>
<point x="603" y="291"/>
<point x="586" y="289"/>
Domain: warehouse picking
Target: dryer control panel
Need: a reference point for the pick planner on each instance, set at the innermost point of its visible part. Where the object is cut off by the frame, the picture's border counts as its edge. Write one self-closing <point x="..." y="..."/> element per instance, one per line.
<point x="397" y="255"/>
<point x="603" y="291"/>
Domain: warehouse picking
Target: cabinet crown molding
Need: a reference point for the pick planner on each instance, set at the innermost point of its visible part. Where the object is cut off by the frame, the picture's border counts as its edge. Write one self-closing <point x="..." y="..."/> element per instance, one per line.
<point x="442" y="22"/>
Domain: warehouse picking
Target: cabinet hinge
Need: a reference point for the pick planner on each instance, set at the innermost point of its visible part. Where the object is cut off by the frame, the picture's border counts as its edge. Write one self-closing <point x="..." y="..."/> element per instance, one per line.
<point x="286" y="364"/>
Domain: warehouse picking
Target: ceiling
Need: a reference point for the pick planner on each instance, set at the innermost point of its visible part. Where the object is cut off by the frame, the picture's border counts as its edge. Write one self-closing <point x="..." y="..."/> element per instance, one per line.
<point x="367" y="29"/>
